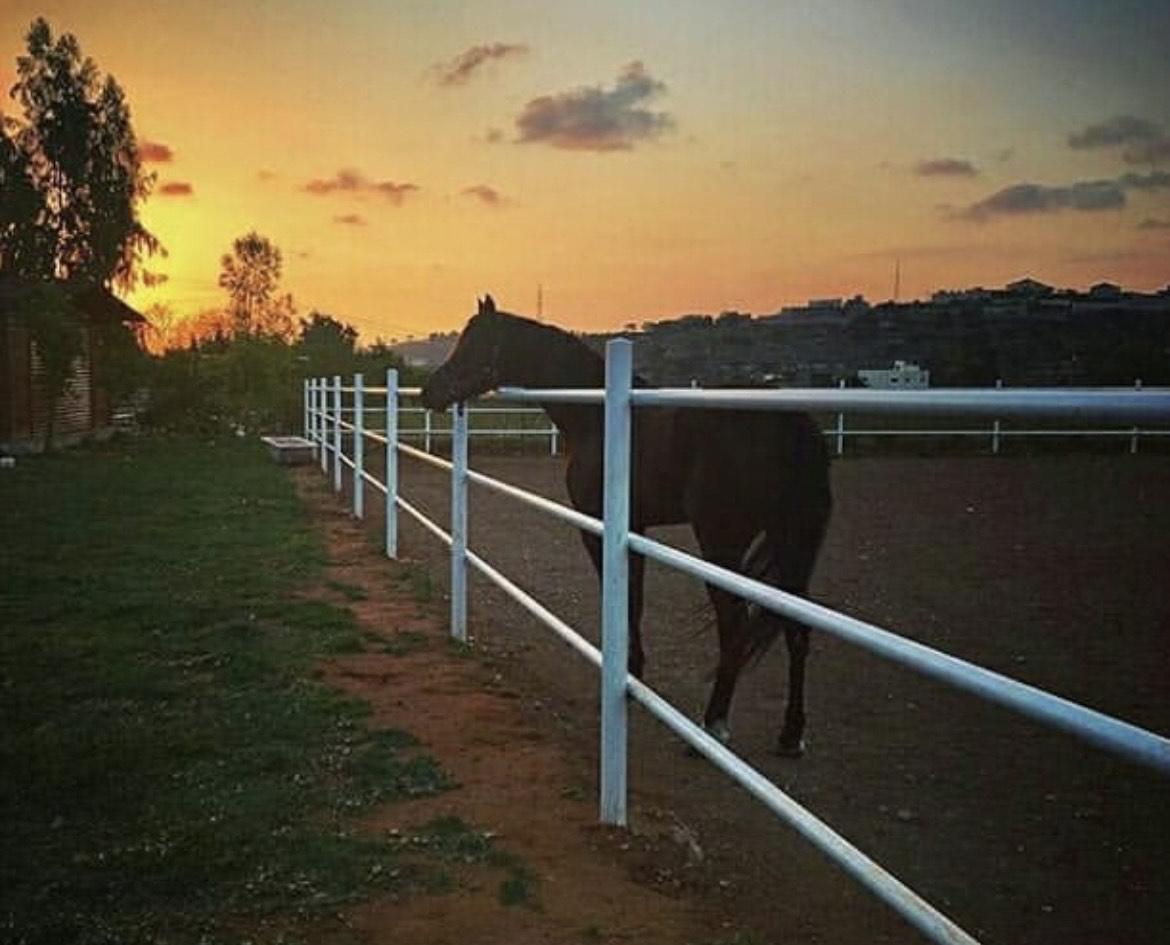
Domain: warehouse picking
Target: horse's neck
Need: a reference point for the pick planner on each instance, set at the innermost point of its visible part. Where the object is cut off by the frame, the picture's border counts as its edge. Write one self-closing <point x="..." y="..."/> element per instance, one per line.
<point x="565" y="362"/>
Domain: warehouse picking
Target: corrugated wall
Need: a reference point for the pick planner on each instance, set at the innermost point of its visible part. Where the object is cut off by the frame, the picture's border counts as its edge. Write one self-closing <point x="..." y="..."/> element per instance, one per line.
<point x="74" y="409"/>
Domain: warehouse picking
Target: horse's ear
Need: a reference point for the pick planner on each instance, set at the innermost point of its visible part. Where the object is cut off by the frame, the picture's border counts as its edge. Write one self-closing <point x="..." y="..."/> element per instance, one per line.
<point x="478" y="305"/>
<point x="489" y="305"/>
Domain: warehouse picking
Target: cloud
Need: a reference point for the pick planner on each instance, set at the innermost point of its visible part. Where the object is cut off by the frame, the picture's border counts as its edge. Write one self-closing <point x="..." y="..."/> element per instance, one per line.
<point x="1152" y="223"/>
<point x="1022" y="199"/>
<point x="458" y="71"/>
<point x="1087" y="196"/>
<point x="1146" y="142"/>
<point x="176" y="188"/>
<point x="151" y="152"/>
<point x="1149" y="152"/>
<point x="1151" y="181"/>
<point x="1120" y="129"/>
<point x="485" y="194"/>
<point x="493" y="136"/>
<point x="945" y="167"/>
<point x="355" y="182"/>
<point x="396" y="193"/>
<point x="350" y="219"/>
<point x="265" y="175"/>
<point x="593" y="118"/>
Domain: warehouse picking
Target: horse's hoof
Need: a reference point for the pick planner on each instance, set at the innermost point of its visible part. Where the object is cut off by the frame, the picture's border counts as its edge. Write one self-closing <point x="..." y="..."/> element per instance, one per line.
<point x="790" y="751"/>
<point x="718" y="730"/>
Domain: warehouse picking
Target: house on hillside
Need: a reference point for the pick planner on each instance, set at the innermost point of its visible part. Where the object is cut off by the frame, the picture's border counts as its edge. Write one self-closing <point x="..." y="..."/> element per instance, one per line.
<point x="903" y="376"/>
<point x="83" y="412"/>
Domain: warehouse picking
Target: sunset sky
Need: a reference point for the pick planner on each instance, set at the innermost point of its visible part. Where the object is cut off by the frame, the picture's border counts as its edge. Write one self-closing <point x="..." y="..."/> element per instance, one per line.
<point x="640" y="160"/>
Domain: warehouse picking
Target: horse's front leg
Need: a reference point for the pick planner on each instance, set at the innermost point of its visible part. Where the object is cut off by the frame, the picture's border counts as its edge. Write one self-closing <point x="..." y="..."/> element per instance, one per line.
<point x="636" y="659"/>
<point x="791" y="744"/>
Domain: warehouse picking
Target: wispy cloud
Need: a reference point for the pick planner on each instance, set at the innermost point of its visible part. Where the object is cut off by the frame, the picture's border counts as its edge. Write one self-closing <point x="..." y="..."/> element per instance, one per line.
<point x="1145" y="142"/>
<point x="945" y="167"/>
<point x="593" y="118"/>
<point x="485" y="194"/>
<point x="1120" y="129"/>
<point x="1086" y="196"/>
<point x="266" y="175"/>
<point x="350" y="219"/>
<point x="176" y="188"/>
<point x="460" y="69"/>
<point x="152" y="152"/>
<point x="1023" y="199"/>
<point x="349" y="181"/>
<point x="1154" y="180"/>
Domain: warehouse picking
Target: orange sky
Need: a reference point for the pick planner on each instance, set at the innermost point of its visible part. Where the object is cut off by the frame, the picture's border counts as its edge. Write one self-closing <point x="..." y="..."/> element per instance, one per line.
<point x="640" y="161"/>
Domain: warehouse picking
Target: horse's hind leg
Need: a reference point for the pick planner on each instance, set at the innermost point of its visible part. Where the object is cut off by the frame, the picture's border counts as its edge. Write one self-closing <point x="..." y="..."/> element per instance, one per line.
<point x="730" y="616"/>
<point x="795" y="555"/>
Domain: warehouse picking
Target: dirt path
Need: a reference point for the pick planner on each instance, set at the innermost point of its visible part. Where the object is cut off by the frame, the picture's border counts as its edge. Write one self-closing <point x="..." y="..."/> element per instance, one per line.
<point x="515" y="780"/>
<point x="1050" y="569"/>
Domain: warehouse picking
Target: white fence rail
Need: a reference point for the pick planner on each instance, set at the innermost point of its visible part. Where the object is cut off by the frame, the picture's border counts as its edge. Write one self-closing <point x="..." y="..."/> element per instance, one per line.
<point x="432" y="430"/>
<point x="325" y="427"/>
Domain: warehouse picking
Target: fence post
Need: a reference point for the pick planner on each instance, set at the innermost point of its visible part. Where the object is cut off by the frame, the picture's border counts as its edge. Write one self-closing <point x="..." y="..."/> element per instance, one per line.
<point x="305" y="399"/>
<point x="359" y="446"/>
<point x="459" y="522"/>
<point x="426" y="431"/>
<point x="615" y="580"/>
<point x="336" y="432"/>
<point x="841" y="425"/>
<point x="1133" y="437"/>
<point x="552" y="440"/>
<point x="311" y="433"/>
<point x="995" y="425"/>
<point x="323" y="422"/>
<point x="391" y="463"/>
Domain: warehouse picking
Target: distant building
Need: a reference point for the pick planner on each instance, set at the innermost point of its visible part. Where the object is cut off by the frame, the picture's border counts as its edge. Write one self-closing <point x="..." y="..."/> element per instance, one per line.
<point x="904" y="375"/>
<point x="1029" y="287"/>
<point x="1105" y="291"/>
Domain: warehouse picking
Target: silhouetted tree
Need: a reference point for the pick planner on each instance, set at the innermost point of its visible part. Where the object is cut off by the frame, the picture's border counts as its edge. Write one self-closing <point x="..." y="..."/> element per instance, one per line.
<point x="70" y="185"/>
<point x="326" y="345"/>
<point x="251" y="274"/>
<point x="71" y="171"/>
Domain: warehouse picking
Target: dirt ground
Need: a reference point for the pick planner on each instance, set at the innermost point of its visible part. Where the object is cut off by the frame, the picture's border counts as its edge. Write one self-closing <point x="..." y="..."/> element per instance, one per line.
<point x="1051" y="569"/>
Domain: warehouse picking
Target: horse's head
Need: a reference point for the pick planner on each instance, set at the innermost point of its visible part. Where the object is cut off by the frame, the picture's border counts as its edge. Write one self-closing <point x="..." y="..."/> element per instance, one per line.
<point x="474" y="366"/>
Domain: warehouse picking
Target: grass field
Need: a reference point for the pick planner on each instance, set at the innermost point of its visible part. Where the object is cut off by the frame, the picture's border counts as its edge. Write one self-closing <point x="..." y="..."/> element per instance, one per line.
<point x="170" y="769"/>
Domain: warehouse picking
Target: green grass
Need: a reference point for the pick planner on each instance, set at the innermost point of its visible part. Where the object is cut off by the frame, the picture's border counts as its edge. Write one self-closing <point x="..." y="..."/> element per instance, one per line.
<point x="167" y="761"/>
<point x="451" y="840"/>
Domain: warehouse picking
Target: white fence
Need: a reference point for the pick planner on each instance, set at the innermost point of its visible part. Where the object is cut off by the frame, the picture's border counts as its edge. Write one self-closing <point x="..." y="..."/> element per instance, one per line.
<point x="325" y="426"/>
<point x="433" y="430"/>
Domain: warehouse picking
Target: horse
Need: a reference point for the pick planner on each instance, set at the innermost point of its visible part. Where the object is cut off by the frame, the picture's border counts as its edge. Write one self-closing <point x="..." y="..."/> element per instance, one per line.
<point x="753" y="485"/>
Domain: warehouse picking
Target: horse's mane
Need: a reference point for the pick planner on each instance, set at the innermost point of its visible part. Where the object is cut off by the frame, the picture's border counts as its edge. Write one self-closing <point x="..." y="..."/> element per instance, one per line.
<point x="559" y="339"/>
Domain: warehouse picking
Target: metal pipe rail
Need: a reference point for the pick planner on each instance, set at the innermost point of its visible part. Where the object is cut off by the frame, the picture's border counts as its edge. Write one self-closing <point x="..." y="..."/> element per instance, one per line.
<point x="1121" y="405"/>
<point x="1115" y="735"/>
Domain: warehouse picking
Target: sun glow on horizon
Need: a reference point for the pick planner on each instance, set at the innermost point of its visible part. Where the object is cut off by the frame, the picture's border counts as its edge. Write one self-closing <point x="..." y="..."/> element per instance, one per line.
<point x="406" y="160"/>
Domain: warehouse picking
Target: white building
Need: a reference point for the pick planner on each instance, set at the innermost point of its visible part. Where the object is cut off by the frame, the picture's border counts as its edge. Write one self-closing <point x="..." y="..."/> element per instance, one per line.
<point x="903" y="376"/>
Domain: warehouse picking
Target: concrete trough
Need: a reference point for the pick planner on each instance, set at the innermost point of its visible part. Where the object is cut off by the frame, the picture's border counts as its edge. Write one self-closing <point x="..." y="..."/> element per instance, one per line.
<point x="289" y="450"/>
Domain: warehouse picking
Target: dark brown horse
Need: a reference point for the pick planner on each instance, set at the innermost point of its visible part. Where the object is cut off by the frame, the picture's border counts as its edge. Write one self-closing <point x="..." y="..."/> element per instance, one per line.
<point x="754" y="485"/>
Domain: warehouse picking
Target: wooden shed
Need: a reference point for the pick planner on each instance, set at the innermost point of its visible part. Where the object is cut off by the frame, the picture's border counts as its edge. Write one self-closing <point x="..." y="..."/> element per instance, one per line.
<point x="84" y="411"/>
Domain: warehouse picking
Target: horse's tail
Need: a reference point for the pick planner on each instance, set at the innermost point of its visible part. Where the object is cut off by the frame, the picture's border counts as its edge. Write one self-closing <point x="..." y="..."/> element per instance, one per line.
<point x="784" y="554"/>
<point x="762" y="627"/>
